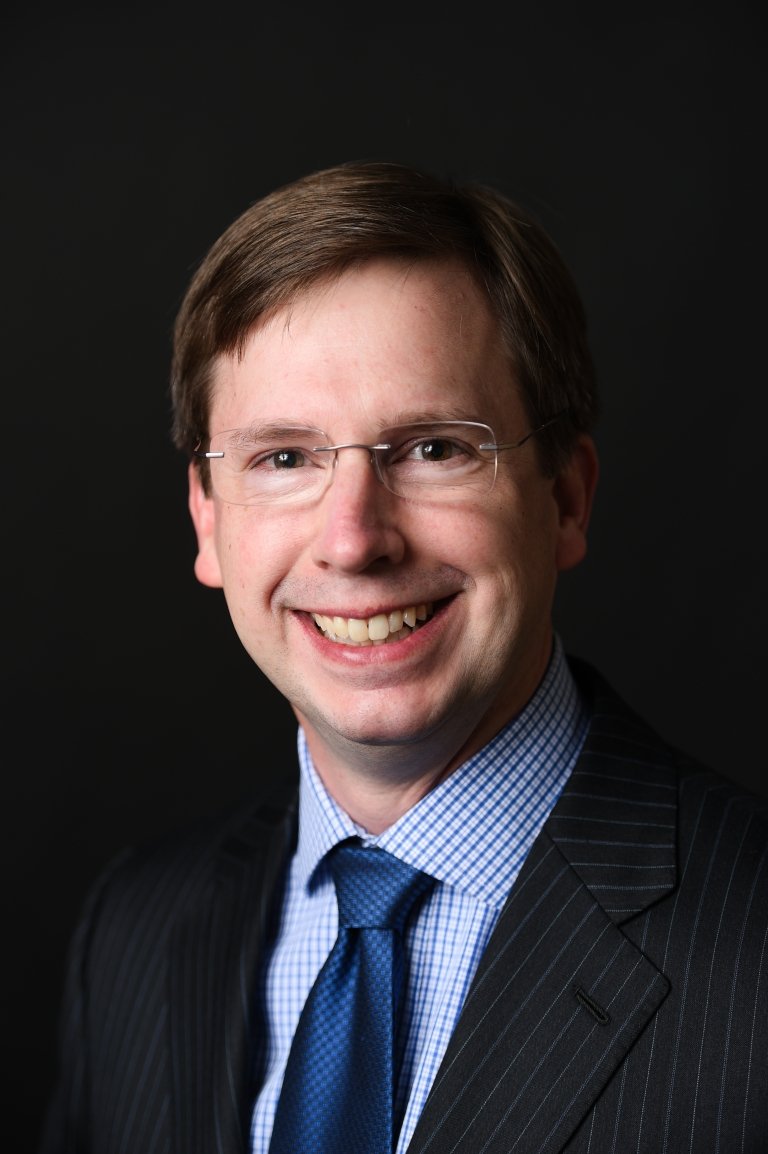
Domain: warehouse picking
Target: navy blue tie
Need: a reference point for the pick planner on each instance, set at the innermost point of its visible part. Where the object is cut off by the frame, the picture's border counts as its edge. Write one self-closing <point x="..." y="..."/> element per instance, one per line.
<point x="339" y="1084"/>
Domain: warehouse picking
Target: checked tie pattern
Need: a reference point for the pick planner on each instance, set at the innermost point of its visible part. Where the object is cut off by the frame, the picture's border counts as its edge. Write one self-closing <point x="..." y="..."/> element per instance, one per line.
<point x="338" y="1089"/>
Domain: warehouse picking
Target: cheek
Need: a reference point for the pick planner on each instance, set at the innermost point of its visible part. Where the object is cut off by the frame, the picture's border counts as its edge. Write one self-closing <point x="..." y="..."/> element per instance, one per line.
<point x="252" y="555"/>
<point x="516" y="549"/>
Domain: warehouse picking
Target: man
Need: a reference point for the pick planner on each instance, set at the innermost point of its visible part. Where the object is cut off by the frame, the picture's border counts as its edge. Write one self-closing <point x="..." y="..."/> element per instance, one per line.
<point x="384" y="386"/>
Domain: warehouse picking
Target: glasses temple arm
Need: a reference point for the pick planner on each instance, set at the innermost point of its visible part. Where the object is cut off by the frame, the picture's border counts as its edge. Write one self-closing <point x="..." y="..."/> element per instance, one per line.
<point x="497" y="446"/>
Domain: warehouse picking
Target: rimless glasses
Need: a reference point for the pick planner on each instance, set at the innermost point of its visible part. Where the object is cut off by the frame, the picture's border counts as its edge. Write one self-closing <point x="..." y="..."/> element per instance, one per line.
<point x="293" y="464"/>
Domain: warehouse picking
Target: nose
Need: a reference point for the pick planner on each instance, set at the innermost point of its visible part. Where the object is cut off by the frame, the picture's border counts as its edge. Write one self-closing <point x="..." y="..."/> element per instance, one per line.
<point x="358" y="523"/>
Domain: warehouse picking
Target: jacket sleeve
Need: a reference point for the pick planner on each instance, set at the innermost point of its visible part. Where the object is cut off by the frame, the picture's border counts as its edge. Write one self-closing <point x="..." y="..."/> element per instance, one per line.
<point x="65" y="1128"/>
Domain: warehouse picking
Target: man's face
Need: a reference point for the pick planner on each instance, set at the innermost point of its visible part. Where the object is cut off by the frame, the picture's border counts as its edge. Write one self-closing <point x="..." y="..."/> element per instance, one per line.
<point x="384" y="345"/>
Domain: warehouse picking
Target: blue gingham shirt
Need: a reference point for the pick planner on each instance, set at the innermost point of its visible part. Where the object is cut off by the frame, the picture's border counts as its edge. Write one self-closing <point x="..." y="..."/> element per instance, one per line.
<point x="472" y="833"/>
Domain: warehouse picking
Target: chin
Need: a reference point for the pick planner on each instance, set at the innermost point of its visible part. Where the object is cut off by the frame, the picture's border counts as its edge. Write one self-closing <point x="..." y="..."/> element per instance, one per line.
<point x="374" y="735"/>
<point x="385" y="722"/>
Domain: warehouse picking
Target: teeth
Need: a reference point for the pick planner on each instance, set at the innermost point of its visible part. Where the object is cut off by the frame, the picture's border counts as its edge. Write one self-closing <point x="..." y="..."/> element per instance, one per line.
<point x="377" y="630"/>
<point x="358" y="630"/>
<point x="339" y="627"/>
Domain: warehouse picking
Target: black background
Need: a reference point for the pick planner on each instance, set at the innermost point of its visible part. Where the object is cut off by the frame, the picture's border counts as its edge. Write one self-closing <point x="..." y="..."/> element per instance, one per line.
<point x="131" y="138"/>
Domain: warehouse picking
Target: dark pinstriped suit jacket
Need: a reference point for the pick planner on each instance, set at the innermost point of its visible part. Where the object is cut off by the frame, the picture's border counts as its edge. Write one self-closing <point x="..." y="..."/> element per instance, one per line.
<point x="621" y="1005"/>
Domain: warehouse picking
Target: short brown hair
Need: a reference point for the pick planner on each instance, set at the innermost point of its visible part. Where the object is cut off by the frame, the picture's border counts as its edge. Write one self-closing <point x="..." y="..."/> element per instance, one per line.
<point x="319" y="225"/>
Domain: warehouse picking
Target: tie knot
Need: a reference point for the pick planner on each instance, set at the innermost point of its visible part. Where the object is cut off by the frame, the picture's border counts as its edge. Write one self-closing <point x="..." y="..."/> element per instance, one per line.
<point x="373" y="888"/>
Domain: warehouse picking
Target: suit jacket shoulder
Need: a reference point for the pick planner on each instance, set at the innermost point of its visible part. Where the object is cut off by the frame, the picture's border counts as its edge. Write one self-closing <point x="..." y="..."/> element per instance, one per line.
<point x="155" y="1029"/>
<point x="622" y="1003"/>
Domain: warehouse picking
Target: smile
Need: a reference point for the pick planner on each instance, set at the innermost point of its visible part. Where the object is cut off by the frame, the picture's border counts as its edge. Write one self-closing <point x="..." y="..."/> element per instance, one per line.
<point x="378" y="630"/>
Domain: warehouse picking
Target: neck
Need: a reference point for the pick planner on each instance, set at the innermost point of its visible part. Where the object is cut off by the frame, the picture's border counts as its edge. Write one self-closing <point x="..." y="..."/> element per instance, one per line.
<point x="378" y="790"/>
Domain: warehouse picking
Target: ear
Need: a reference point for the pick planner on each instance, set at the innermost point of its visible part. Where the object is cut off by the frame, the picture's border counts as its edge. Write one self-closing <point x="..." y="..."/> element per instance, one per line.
<point x="574" y="492"/>
<point x="203" y="512"/>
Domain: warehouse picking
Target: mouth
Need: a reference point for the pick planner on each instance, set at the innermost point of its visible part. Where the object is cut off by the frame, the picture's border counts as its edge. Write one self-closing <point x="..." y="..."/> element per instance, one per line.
<point x="381" y="629"/>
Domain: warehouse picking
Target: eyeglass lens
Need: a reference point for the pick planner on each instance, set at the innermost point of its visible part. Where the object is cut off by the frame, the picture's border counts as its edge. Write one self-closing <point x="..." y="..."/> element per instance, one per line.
<point x="254" y="466"/>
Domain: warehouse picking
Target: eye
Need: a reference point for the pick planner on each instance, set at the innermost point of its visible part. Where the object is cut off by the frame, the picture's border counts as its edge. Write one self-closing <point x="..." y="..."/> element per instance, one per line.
<point x="286" y="459"/>
<point x="270" y="460"/>
<point x="436" y="449"/>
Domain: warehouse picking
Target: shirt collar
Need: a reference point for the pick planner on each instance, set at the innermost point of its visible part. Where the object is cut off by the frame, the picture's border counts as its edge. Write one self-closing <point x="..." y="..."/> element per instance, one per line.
<point x="455" y="832"/>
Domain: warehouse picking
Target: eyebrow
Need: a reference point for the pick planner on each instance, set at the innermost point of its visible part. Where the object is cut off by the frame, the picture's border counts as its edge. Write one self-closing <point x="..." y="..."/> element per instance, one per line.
<point x="268" y="430"/>
<point x="430" y="416"/>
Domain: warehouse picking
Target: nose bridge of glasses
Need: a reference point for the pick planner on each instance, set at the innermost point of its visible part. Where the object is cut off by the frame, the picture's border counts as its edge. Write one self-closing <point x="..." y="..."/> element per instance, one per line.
<point x="371" y="449"/>
<point x="373" y="452"/>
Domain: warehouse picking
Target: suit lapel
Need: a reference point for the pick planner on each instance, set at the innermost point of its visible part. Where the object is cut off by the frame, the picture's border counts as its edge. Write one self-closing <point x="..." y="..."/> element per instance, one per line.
<point x="616" y="822"/>
<point x="214" y="962"/>
<point x="561" y="993"/>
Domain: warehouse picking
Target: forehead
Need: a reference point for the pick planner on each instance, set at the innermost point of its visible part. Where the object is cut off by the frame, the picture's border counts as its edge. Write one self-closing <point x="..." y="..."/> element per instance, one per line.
<point x="383" y="342"/>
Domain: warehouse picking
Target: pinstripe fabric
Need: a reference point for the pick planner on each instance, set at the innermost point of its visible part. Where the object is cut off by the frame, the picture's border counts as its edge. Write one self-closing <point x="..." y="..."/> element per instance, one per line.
<point x="621" y="1004"/>
<point x="155" y="1038"/>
